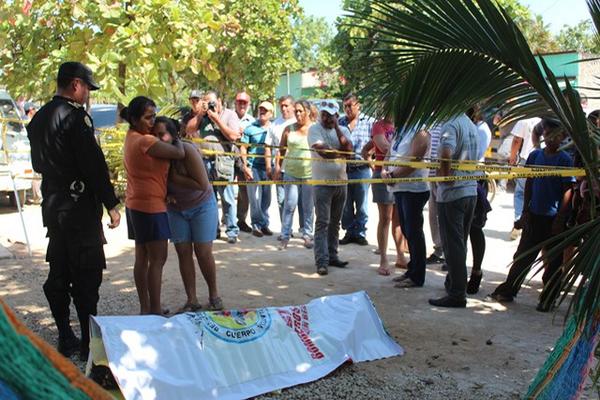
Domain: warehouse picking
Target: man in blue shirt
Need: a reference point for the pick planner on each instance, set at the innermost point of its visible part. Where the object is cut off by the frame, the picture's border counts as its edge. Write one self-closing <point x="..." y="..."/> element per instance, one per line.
<point x="354" y="219"/>
<point x="544" y="214"/>
<point x="258" y="168"/>
<point x="456" y="204"/>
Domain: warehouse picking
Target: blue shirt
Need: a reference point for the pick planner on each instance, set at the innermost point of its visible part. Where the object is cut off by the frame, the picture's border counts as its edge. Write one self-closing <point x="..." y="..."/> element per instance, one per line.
<point x="461" y="137"/>
<point x="547" y="193"/>
<point x="256" y="134"/>
<point x="360" y="135"/>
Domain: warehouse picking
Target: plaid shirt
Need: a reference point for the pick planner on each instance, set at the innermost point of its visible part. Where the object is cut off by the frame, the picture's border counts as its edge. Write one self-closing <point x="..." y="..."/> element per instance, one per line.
<point x="361" y="134"/>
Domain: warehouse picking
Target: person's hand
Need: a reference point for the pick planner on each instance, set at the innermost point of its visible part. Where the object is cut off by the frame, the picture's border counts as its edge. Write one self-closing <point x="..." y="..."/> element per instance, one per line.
<point x="171" y="200"/>
<point x="269" y="174"/>
<point x="336" y="123"/>
<point x="115" y="218"/>
<point x="513" y="160"/>
<point x="277" y="174"/>
<point x="247" y="174"/>
<point x="213" y="116"/>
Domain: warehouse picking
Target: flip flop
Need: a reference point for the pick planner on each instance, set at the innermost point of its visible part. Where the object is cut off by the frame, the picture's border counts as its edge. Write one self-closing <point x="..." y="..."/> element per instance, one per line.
<point x="383" y="271"/>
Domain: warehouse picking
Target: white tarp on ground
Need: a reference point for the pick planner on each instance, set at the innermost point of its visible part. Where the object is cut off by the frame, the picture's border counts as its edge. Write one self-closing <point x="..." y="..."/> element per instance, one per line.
<point x="238" y="354"/>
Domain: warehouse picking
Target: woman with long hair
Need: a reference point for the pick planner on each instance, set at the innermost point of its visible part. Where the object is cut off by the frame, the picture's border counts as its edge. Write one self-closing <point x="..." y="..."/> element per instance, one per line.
<point x="294" y="144"/>
<point x="193" y="217"/>
<point x="147" y="161"/>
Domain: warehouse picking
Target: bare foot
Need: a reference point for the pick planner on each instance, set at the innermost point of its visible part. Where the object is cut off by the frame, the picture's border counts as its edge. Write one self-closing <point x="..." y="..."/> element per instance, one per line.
<point x="383" y="270"/>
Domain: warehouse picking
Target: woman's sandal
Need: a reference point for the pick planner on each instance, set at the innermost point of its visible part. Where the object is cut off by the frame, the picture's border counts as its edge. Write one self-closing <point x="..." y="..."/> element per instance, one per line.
<point x="189" y="307"/>
<point x="215" y="304"/>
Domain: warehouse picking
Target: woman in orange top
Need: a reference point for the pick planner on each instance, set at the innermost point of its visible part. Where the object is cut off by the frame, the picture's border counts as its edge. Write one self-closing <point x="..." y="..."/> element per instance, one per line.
<point x="147" y="161"/>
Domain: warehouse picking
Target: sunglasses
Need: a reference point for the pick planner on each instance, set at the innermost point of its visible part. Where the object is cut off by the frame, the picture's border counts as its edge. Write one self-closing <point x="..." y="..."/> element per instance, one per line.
<point x="328" y="104"/>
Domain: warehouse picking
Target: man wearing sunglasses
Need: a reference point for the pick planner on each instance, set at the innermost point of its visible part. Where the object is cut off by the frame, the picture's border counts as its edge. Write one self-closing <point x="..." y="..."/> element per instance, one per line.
<point x="354" y="219"/>
<point x="327" y="138"/>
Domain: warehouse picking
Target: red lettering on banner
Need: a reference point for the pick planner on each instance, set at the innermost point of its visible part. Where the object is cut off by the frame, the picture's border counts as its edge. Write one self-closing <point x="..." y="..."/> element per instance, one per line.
<point x="299" y="323"/>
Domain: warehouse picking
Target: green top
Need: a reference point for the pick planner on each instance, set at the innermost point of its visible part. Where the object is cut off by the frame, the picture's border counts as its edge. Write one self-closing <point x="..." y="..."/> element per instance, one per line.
<point x="297" y="146"/>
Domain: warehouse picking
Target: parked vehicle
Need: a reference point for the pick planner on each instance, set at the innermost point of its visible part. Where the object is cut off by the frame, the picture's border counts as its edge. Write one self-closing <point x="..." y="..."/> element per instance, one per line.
<point x="15" y="152"/>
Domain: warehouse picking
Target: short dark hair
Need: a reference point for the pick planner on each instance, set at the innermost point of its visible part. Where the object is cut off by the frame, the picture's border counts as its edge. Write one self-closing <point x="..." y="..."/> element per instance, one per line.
<point x="350" y="96"/>
<point x="64" y="82"/>
<point x="286" y="97"/>
<point x="136" y="108"/>
<point x="171" y="125"/>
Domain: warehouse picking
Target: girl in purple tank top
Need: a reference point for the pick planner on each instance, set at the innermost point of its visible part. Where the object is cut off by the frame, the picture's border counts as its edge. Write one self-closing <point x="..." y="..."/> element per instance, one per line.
<point x="193" y="218"/>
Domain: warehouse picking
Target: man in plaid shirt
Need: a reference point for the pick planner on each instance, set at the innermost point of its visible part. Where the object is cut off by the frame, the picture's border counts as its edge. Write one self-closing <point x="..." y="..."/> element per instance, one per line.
<point x="354" y="219"/>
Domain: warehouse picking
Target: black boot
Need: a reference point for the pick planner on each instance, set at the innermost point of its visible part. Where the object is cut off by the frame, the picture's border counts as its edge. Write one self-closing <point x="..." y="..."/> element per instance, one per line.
<point x="68" y="343"/>
<point x="474" y="282"/>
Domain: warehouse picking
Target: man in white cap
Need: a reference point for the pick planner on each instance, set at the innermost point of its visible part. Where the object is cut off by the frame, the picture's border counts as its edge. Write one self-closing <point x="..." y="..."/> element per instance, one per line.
<point x="258" y="168"/>
<point x="325" y="138"/>
<point x="190" y="122"/>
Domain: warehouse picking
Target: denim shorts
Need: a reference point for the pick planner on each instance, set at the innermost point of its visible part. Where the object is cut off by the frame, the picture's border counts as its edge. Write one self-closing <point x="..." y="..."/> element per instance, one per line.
<point x="195" y="225"/>
<point x="380" y="191"/>
<point x="143" y="227"/>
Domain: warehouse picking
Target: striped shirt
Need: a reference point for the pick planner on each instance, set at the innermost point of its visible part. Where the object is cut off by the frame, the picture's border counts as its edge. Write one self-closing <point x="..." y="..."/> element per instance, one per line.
<point x="360" y="135"/>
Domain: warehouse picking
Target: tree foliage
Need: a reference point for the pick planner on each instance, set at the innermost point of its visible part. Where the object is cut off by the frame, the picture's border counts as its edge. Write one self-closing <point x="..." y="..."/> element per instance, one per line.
<point x="157" y="47"/>
<point x="580" y="37"/>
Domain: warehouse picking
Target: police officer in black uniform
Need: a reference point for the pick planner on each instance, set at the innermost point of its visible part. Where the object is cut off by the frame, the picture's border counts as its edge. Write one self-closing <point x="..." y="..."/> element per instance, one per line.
<point x="75" y="186"/>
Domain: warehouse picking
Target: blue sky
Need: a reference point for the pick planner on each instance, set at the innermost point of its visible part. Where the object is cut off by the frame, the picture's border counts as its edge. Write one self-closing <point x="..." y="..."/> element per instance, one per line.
<point x="555" y="12"/>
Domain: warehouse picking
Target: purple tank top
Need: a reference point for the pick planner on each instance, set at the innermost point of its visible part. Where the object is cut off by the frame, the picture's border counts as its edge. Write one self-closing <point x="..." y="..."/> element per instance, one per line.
<point x="186" y="198"/>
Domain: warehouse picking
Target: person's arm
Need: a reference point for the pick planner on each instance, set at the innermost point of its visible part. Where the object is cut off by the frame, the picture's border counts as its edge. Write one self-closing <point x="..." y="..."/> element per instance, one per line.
<point x="197" y="177"/>
<point x="514" y="150"/>
<point x="268" y="168"/>
<point x="92" y="163"/>
<point x="228" y="128"/>
<point x="345" y="143"/>
<point x="280" y="154"/>
<point x="418" y="149"/>
<point x="166" y="150"/>
<point x="245" y="169"/>
<point x="368" y="149"/>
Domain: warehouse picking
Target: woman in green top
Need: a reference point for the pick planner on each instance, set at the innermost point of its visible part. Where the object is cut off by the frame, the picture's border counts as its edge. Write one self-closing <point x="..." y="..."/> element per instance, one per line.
<point x="294" y="144"/>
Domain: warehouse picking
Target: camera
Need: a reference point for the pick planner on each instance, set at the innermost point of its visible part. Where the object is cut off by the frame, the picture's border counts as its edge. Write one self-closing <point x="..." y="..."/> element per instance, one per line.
<point x="212" y="105"/>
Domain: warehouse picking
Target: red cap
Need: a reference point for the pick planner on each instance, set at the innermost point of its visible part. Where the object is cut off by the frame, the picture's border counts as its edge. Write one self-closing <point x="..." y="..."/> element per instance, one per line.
<point x="242" y="96"/>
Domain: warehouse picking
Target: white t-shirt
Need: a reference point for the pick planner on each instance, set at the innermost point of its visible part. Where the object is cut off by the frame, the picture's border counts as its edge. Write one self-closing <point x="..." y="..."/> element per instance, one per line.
<point x="523" y="129"/>
<point x="317" y="134"/>
<point x="277" y="128"/>
<point x="484" y="138"/>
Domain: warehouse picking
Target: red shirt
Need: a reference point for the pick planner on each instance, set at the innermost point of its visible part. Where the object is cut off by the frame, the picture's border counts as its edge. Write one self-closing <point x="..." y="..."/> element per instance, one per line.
<point x="387" y="129"/>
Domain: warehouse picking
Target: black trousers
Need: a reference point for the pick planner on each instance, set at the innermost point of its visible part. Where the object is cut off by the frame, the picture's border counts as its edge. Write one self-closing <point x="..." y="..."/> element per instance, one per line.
<point x="76" y="262"/>
<point x="537" y="230"/>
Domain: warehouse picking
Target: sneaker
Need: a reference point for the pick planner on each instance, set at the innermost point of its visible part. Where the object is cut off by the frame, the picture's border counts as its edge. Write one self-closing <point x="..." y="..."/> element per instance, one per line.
<point x="232" y="239"/>
<point x="322" y="270"/>
<point x="266" y="231"/>
<point x="361" y="241"/>
<point x="257" y="233"/>
<point x="346" y="240"/>
<point x="434" y="259"/>
<point x="244" y="227"/>
<point x="515" y="233"/>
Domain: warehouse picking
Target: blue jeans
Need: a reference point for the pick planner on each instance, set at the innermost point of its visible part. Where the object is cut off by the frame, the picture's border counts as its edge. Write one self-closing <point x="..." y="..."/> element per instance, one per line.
<point x="259" y="197"/>
<point x="228" y="195"/>
<point x="354" y="220"/>
<point x="329" y="205"/>
<point x="410" y="212"/>
<point x="292" y="192"/>
<point x="519" y="197"/>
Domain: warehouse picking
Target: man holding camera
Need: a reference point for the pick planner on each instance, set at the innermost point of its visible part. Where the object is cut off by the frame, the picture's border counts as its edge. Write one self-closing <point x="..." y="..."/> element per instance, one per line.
<point x="219" y="127"/>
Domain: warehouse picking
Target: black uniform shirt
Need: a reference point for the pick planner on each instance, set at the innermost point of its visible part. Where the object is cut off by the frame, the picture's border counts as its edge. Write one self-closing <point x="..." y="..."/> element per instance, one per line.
<point x="64" y="150"/>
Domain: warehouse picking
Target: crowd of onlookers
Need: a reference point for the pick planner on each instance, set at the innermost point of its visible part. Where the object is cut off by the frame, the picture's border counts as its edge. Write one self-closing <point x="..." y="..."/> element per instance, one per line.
<point x="314" y="153"/>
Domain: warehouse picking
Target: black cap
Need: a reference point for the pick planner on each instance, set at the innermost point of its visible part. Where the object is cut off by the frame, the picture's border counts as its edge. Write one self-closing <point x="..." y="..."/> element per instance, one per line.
<point x="73" y="69"/>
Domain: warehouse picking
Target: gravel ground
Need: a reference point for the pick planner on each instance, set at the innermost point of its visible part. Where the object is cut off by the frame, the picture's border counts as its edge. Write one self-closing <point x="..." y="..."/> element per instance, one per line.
<point x="486" y="351"/>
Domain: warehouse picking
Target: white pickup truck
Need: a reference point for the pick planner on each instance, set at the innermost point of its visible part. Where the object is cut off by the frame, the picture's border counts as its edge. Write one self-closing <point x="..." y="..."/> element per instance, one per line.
<point x="15" y="156"/>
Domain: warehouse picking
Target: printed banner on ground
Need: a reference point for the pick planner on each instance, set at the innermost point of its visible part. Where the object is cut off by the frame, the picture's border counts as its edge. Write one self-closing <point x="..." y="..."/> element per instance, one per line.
<point x="237" y="354"/>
